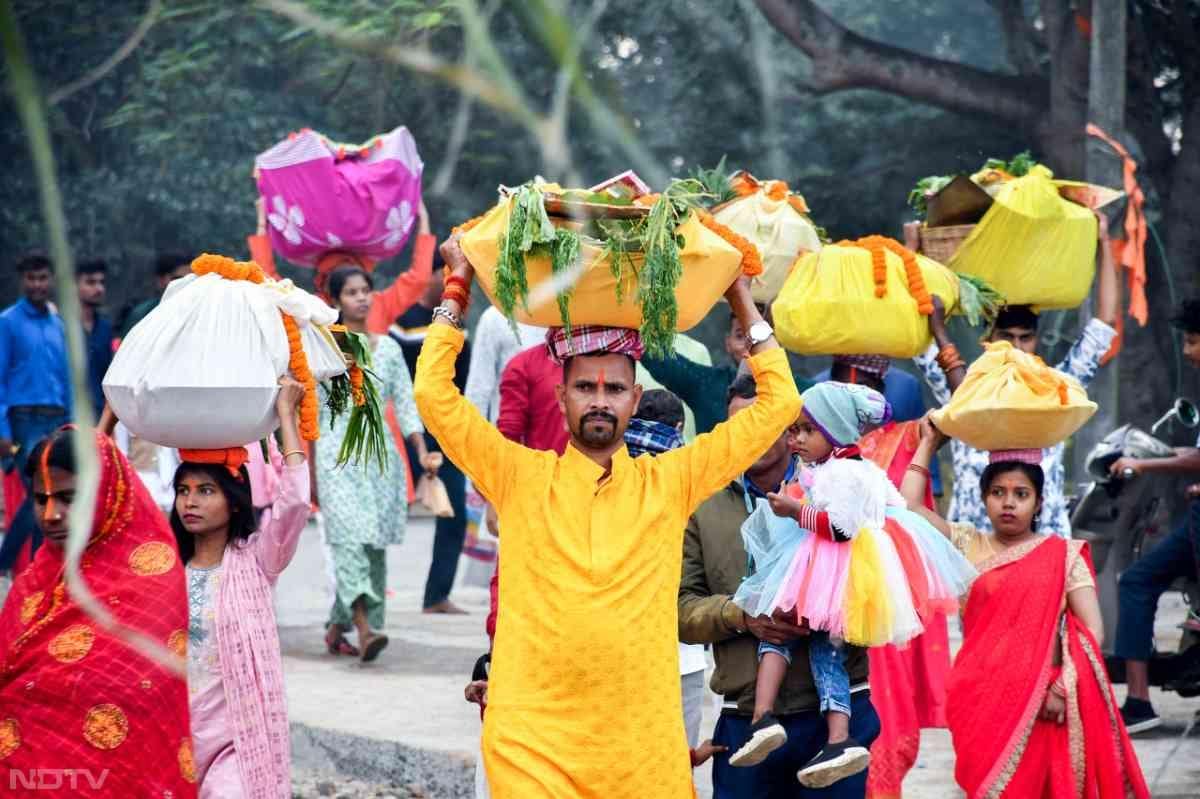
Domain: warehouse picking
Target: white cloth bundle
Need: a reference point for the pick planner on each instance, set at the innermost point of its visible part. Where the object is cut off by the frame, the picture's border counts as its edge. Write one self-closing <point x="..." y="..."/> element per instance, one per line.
<point x="201" y="370"/>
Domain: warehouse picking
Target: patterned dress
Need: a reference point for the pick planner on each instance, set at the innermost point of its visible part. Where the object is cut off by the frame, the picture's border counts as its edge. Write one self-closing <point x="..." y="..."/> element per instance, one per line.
<point x="212" y="730"/>
<point x="967" y="505"/>
<point x="364" y="511"/>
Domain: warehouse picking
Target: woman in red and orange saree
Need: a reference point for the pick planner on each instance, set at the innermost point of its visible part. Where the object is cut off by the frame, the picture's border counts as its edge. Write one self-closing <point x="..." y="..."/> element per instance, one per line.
<point x="1030" y="707"/>
<point x="81" y="711"/>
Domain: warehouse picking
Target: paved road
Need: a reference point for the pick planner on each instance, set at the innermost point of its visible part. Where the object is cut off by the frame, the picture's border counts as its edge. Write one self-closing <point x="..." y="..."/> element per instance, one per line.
<point x="413" y="694"/>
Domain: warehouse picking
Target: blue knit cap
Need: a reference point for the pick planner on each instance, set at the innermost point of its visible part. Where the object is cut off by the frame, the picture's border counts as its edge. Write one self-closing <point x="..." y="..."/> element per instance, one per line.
<point x="845" y="412"/>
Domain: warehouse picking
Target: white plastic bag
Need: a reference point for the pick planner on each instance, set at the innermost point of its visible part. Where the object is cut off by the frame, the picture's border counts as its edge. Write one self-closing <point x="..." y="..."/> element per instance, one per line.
<point x="201" y="370"/>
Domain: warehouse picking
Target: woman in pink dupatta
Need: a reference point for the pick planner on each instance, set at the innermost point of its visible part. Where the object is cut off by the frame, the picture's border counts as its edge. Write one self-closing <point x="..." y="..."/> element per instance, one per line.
<point x="235" y="669"/>
<point x="1030" y="707"/>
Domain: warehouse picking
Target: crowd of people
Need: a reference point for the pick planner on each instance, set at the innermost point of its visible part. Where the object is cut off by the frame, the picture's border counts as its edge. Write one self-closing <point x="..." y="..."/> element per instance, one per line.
<point x="640" y="527"/>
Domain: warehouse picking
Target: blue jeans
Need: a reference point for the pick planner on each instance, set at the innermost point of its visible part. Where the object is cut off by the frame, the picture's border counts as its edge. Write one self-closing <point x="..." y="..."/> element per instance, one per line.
<point x="775" y="777"/>
<point x="827" y="661"/>
<point x="1145" y="581"/>
<point x="27" y="430"/>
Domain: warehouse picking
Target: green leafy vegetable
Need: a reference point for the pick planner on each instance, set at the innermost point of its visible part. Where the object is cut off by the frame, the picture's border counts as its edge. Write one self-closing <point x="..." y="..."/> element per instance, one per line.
<point x="530" y="232"/>
<point x="977" y="300"/>
<point x="715" y="182"/>
<point x="925" y="188"/>
<point x="365" y="438"/>
<point x="564" y="255"/>
<point x="1018" y="167"/>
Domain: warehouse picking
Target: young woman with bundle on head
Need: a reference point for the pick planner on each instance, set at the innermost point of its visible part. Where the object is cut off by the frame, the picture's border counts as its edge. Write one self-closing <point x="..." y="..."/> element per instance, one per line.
<point x="232" y="560"/>
<point x="1030" y="706"/>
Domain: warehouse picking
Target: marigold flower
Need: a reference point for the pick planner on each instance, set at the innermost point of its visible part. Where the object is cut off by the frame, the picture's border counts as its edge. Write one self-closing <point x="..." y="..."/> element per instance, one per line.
<point x="751" y="260"/>
<point x="310" y="429"/>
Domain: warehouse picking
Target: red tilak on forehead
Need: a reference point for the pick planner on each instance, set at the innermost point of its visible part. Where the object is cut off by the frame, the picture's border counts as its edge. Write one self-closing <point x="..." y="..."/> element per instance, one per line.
<point x="601" y="375"/>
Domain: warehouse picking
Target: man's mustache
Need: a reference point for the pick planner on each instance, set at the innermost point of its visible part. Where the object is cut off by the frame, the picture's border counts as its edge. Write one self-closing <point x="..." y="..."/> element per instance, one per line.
<point x="602" y="416"/>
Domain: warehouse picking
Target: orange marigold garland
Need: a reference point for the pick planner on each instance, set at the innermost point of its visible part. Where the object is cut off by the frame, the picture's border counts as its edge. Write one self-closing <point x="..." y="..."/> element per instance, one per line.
<point x="751" y="260"/>
<point x="228" y="268"/>
<point x="777" y="190"/>
<point x="743" y="184"/>
<point x="298" y="364"/>
<point x="879" y="246"/>
<point x="356" y="384"/>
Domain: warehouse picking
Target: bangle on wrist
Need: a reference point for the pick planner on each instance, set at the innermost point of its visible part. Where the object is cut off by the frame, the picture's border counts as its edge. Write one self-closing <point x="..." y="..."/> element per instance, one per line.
<point x="293" y="452"/>
<point x="949" y="359"/>
<point x="449" y="315"/>
<point x="919" y="469"/>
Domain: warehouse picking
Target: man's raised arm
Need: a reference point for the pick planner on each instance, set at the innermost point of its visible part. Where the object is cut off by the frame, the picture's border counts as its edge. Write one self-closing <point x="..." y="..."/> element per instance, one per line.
<point x="716" y="458"/>
<point x="477" y="447"/>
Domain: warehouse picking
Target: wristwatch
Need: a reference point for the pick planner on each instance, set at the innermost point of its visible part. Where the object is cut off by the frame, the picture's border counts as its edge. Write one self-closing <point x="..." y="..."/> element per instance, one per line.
<point x="759" y="332"/>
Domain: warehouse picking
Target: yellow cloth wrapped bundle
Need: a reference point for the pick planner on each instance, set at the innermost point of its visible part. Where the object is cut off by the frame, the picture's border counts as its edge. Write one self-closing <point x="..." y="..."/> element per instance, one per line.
<point x="710" y="265"/>
<point x="1032" y="246"/>
<point x="1013" y="400"/>
<point x="779" y="231"/>
<point x="860" y="297"/>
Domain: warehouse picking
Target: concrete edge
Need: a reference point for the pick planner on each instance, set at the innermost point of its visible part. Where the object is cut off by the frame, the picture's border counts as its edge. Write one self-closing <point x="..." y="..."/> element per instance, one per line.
<point x="339" y="754"/>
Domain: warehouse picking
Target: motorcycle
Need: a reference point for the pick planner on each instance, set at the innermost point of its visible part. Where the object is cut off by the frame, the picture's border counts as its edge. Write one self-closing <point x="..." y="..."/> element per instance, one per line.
<point x="1122" y="518"/>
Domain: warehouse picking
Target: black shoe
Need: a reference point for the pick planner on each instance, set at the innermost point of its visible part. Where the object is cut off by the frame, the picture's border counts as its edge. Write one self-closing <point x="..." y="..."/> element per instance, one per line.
<point x="834" y="762"/>
<point x="766" y="736"/>
<point x="1139" y="716"/>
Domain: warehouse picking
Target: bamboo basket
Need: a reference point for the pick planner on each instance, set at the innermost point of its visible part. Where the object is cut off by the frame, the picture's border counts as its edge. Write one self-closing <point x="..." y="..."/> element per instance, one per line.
<point x="940" y="243"/>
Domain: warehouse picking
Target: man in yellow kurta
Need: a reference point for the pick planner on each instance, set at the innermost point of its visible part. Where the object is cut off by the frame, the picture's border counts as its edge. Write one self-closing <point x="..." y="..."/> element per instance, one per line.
<point x="584" y="697"/>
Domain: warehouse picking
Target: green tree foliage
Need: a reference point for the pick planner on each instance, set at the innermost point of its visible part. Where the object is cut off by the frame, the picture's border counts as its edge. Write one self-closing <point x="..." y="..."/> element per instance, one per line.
<point x="158" y="152"/>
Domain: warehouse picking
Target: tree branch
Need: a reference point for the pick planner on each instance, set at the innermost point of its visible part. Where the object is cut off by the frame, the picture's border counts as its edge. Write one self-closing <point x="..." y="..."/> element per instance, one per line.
<point x="462" y="121"/>
<point x="109" y="64"/>
<point x="842" y="59"/>
<point x="470" y="81"/>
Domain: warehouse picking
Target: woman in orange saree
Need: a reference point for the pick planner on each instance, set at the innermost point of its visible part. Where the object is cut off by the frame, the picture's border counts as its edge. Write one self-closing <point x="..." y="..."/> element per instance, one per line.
<point x="1030" y="708"/>
<point x="81" y="712"/>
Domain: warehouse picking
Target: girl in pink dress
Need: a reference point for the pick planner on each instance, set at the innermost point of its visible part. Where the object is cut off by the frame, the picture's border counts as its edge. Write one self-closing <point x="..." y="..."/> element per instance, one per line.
<point x="232" y="559"/>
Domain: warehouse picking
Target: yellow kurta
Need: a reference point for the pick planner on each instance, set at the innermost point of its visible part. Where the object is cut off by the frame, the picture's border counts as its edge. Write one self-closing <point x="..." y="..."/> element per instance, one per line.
<point x="584" y="699"/>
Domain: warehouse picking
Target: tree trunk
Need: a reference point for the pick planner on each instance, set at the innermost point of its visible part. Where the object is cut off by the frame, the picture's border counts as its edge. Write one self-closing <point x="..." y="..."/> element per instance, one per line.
<point x="1060" y="133"/>
<point x="1183" y="234"/>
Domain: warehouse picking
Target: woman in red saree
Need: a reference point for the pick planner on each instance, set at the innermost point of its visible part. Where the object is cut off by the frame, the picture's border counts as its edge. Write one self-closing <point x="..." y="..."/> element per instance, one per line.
<point x="81" y="711"/>
<point x="1030" y="707"/>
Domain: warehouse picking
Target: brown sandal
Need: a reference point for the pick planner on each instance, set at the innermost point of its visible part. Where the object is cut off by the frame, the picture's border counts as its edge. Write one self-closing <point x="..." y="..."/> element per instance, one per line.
<point x="373" y="646"/>
<point x="339" y="645"/>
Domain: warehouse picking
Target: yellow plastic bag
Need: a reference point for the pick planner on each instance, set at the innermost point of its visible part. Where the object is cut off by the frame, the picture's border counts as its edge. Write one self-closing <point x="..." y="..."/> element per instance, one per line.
<point x="1013" y="400"/>
<point x="829" y="304"/>
<point x="709" y="267"/>
<point x="1032" y="246"/>
<point x="779" y="231"/>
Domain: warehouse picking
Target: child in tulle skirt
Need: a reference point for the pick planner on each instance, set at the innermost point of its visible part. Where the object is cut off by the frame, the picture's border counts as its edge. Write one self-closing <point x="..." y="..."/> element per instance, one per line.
<point x="839" y="549"/>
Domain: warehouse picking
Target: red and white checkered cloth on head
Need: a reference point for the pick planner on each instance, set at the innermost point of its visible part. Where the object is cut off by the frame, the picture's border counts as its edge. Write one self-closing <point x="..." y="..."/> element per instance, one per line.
<point x="591" y="339"/>
<point x="871" y="364"/>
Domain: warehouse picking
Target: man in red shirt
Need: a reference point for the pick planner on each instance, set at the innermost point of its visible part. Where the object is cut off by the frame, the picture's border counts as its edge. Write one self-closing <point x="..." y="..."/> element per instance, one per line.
<point x="529" y="410"/>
